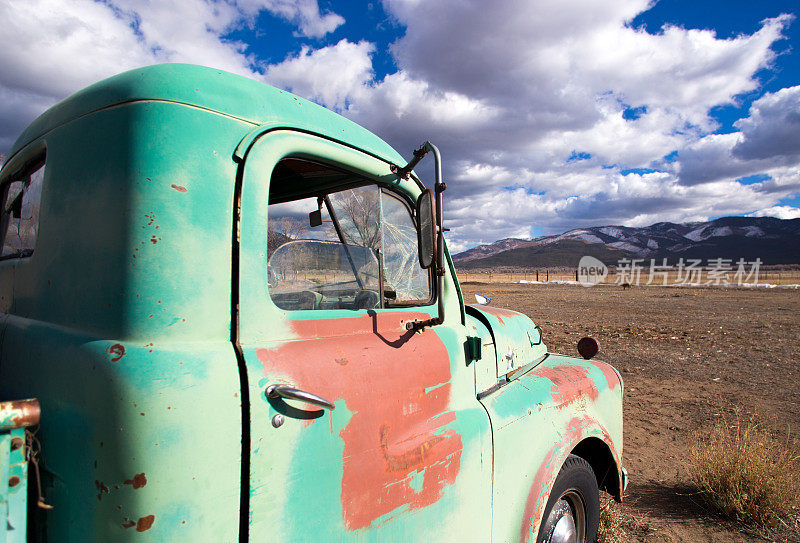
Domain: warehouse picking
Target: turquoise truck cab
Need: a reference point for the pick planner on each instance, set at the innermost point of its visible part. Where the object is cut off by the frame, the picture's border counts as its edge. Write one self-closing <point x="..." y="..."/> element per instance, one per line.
<point x="238" y="318"/>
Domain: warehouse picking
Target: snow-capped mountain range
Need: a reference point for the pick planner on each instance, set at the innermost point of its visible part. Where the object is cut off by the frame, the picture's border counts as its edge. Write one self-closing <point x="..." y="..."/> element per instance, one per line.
<point x="775" y="241"/>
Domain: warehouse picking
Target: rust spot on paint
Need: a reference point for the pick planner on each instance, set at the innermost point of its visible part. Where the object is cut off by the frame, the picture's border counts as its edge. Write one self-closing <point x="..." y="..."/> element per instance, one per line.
<point x="128" y="523"/>
<point x="138" y="481"/>
<point x="145" y="523"/>
<point x="179" y="188"/>
<point x="153" y="240"/>
<point x="385" y="442"/>
<point x="413" y="456"/>
<point x="341" y="361"/>
<point x="117" y="351"/>
<point x="101" y="489"/>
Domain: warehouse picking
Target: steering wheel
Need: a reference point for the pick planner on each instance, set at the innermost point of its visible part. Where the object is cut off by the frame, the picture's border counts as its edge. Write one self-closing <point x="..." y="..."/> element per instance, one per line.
<point x="366" y="299"/>
<point x="309" y="299"/>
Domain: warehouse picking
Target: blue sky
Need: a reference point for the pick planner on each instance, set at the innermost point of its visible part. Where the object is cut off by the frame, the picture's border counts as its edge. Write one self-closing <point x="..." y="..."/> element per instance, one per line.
<point x="551" y="115"/>
<point x="274" y="39"/>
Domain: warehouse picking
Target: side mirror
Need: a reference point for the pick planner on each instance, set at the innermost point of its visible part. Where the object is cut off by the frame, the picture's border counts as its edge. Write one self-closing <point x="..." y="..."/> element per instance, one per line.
<point x="426" y="229"/>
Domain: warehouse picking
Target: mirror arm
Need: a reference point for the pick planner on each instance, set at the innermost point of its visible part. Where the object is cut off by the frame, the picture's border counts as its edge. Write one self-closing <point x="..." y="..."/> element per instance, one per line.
<point x="419" y="154"/>
<point x="439" y="188"/>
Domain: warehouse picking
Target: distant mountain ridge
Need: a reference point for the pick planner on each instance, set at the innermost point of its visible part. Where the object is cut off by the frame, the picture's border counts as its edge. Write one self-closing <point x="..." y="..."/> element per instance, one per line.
<point x="774" y="241"/>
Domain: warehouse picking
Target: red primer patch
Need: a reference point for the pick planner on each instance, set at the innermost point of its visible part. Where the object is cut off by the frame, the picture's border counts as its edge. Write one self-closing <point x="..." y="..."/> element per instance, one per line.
<point x="545" y="476"/>
<point x="612" y="378"/>
<point x="385" y="441"/>
<point x="569" y="383"/>
<point x="499" y="312"/>
<point x="535" y="504"/>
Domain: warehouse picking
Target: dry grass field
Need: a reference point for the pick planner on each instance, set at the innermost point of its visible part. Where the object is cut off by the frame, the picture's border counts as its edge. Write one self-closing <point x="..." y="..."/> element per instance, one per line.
<point x="689" y="357"/>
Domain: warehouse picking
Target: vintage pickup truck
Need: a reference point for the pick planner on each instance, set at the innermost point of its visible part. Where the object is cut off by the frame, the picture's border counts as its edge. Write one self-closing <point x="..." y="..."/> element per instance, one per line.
<point x="228" y="314"/>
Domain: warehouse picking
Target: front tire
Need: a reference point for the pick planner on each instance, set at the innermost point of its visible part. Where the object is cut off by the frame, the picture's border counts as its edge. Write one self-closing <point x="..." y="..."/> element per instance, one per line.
<point x="573" y="509"/>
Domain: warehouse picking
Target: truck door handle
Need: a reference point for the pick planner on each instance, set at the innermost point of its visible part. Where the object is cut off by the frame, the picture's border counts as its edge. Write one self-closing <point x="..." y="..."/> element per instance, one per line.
<point x="285" y="391"/>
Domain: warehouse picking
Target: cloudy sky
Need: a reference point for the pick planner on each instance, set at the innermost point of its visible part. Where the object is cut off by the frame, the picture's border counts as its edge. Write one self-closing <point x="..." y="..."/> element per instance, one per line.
<point x="550" y="114"/>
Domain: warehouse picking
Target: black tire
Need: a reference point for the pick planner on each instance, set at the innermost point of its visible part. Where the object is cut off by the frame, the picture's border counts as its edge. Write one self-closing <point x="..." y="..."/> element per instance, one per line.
<point x="575" y="492"/>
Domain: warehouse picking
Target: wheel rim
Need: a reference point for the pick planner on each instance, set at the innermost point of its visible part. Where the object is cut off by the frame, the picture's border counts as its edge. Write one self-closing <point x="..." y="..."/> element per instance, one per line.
<point x="567" y="520"/>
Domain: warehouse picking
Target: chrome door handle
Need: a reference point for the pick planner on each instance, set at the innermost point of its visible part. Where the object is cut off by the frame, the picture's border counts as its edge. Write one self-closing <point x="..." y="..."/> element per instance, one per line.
<point x="285" y="391"/>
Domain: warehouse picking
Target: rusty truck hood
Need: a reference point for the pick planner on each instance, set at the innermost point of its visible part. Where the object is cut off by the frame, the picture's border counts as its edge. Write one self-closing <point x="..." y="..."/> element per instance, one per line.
<point x="517" y="340"/>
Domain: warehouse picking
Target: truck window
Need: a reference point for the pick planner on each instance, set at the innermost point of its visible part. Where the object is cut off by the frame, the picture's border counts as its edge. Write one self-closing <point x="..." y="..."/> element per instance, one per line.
<point x="20" y="220"/>
<point x="334" y="248"/>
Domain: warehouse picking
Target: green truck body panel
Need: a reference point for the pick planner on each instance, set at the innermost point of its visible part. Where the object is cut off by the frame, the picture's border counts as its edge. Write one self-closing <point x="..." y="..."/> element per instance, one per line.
<point x="142" y="323"/>
<point x="13" y="486"/>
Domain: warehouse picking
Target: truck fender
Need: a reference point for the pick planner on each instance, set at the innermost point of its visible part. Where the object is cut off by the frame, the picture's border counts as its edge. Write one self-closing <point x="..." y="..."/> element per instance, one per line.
<point x="584" y="436"/>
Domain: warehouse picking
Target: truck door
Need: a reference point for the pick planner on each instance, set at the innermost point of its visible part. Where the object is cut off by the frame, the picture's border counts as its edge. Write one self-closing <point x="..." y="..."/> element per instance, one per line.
<point x="328" y="278"/>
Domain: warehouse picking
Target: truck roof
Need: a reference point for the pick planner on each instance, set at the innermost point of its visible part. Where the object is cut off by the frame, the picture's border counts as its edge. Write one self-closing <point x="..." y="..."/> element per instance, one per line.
<point x="212" y="90"/>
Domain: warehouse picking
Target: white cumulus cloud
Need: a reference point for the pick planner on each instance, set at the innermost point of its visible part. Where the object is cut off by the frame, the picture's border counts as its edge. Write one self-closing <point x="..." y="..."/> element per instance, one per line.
<point x="780" y="212"/>
<point x="331" y="76"/>
<point x="52" y="48"/>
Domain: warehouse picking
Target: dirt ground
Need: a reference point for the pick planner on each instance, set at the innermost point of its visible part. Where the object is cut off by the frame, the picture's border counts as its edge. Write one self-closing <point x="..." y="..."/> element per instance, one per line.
<point x="686" y="355"/>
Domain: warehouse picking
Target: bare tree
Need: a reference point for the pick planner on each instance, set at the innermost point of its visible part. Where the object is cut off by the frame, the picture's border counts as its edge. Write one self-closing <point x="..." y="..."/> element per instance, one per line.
<point x="358" y="211"/>
<point x="284" y="229"/>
